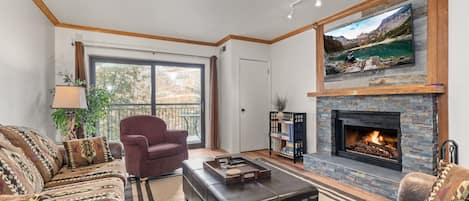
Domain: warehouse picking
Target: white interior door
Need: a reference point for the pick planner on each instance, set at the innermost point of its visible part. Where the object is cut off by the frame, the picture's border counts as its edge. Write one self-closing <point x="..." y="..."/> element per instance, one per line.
<point x="254" y="93"/>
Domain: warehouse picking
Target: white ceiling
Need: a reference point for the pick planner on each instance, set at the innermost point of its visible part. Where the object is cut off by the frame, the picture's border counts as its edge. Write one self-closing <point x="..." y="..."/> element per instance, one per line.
<point x="204" y="20"/>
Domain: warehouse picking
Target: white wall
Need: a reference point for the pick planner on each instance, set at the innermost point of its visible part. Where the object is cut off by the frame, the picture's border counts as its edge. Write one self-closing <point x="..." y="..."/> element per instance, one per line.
<point x="229" y="88"/>
<point x="65" y="56"/>
<point x="294" y="74"/>
<point x="458" y="74"/>
<point x="26" y="66"/>
<point x="65" y="52"/>
<point x="226" y="97"/>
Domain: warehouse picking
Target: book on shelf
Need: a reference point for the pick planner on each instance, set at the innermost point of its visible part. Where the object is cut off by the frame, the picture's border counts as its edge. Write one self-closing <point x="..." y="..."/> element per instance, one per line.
<point x="283" y="136"/>
<point x="278" y="135"/>
<point x="276" y="145"/>
<point x="284" y="128"/>
<point x="286" y="120"/>
<point x="288" y="149"/>
<point x="287" y="131"/>
<point x="291" y="132"/>
<point x="274" y="126"/>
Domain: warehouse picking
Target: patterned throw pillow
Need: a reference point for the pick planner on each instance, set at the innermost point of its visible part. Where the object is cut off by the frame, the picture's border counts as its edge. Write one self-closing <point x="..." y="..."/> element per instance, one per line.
<point x="47" y="145"/>
<point x="84" y="152"/>
<point x="18" y="175"/>
<point x="452" y="184"/>
<point x="32" y="146"/>
<point x="50" y="147"/>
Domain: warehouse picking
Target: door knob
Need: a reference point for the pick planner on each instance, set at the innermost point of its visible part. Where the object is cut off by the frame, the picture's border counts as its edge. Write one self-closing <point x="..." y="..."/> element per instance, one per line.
<point x="242" y="109"/>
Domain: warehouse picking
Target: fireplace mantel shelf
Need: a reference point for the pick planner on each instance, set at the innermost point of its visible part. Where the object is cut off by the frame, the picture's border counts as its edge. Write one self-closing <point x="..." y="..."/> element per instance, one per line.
<point x="383" y="90"/>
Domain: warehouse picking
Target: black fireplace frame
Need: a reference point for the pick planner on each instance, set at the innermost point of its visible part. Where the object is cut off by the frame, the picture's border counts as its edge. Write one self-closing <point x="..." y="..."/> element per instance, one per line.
<point x="385" y="120"/>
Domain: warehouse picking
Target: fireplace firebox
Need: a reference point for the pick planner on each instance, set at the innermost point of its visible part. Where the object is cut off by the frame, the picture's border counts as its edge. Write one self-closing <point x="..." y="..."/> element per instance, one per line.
<point x="370" y="137"/>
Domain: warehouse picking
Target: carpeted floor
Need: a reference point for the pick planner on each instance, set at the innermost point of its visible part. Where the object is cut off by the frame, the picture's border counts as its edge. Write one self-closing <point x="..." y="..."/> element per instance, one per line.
<point x="169" y="188"/>
<point x="166" y="188"/>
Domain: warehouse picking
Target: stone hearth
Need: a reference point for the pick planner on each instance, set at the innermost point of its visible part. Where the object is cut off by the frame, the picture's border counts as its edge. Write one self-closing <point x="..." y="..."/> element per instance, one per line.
<point x="418" y="116"/>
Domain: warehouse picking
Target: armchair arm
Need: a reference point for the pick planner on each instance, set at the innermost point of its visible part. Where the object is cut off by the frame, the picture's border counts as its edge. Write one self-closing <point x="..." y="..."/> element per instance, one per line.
<point x="177" y="136"/>
<point x="415" y="186"/>
<point x="135" y="146"/>
<point x="139" y="140"/>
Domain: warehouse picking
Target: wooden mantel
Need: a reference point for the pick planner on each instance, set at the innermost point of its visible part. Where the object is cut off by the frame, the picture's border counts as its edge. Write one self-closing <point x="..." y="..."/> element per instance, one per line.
<point x="382" y="90"/>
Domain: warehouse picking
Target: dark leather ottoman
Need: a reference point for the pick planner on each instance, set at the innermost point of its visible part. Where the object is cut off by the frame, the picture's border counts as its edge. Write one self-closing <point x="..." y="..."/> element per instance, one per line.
<point x="200" y="185"/>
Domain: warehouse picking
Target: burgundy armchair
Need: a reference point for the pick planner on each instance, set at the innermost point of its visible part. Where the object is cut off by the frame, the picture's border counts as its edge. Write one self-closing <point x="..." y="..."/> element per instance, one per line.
<point x="151" y="149"/>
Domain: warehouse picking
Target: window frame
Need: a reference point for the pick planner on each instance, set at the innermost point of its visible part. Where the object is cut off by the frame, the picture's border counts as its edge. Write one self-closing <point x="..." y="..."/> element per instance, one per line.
<point x="153" y="63"/>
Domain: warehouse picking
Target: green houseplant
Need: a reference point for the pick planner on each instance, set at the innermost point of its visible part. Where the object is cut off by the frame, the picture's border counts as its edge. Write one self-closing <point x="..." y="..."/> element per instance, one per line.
<point x="86" y="122"/>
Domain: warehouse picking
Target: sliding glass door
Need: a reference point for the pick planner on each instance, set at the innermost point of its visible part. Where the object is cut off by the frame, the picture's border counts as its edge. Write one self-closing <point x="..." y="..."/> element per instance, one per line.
<point x="171" y="91"/>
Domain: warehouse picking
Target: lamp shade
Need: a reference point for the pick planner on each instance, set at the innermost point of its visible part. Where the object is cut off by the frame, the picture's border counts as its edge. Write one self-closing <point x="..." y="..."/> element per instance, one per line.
<point x="69" y="97"/>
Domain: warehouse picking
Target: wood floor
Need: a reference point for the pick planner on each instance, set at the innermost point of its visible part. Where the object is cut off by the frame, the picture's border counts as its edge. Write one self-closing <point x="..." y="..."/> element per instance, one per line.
<point x="298" y="167"/>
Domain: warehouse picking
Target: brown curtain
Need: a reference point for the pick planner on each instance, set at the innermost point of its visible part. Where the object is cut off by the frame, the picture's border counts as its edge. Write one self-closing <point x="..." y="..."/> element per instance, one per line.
<point x="80" y="73"/>
<point x="214" y="131"/>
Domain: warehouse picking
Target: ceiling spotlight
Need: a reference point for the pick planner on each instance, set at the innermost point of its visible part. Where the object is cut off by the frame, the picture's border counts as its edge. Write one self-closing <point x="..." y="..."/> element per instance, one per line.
<point x="290" y="15"/>
<point x="318" y="3"/>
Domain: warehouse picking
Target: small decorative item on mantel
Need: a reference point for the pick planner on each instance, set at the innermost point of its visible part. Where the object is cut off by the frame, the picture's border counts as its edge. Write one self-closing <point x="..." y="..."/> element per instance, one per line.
<point x="280" y="104"/>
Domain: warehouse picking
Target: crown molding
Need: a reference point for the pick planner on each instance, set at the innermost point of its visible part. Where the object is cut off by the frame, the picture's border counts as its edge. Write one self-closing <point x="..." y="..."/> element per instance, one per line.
<point x="223" y="40"/>
<point x="242" y="38"/>
<point x="43" y="7"/>
<point x="292" y="33"/>
<point x="48" y="13"/>
<point x="126" y="33"/>
<point x="249" y="39"/>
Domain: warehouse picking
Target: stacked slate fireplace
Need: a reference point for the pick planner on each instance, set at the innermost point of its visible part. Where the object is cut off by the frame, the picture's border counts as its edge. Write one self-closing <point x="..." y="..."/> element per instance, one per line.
<point x="370" y="137"/>
<point x="371" y="142"/>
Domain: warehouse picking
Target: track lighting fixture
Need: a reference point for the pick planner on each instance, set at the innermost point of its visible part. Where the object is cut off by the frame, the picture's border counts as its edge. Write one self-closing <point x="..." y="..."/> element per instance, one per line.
<point x="292" y="8"/>
<point x="296" y="2"/>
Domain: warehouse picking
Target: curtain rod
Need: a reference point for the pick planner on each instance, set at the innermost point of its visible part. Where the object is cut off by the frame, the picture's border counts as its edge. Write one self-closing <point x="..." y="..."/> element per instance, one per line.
<point x="138" y="50"/>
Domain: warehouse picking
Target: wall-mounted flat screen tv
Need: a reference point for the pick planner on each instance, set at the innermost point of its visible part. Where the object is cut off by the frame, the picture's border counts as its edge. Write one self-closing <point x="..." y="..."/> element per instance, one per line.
<point x="378" y="42"/>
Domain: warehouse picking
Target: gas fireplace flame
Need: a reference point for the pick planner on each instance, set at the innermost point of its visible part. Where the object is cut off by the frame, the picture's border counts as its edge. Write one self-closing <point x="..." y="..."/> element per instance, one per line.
<point x="375" y="137"/>
<point x="376" y="142"/>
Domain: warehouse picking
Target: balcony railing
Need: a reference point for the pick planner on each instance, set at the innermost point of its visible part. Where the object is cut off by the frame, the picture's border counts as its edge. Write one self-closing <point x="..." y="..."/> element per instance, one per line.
<point x="181" y="116"/>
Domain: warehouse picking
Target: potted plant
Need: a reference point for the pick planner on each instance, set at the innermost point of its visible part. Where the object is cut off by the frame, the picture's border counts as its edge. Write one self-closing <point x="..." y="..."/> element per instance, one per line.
<point x="86" y="122"/>
<point x="280" y="104"/>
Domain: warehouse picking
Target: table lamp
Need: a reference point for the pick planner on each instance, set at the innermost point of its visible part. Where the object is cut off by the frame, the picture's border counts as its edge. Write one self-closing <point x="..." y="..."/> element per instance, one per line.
<point x="70" y="98"/>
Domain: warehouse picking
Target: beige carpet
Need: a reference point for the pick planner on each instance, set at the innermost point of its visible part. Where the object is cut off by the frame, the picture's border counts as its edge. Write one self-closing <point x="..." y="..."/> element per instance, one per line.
<point x="169" y="188"/>
<point x="162" y="189"/>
